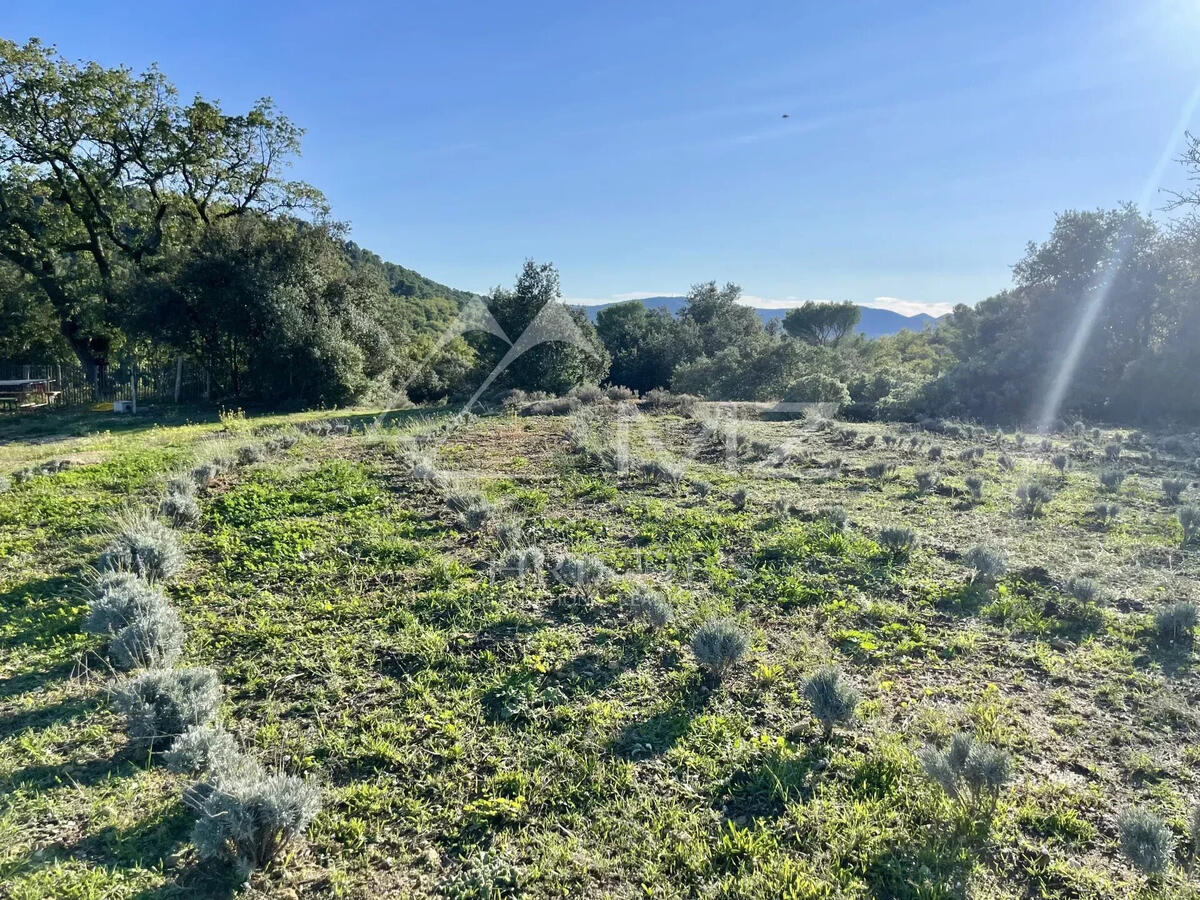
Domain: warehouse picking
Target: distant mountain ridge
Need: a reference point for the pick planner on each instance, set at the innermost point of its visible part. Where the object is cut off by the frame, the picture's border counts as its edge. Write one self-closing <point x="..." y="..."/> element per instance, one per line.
<point x="874" y="322"/>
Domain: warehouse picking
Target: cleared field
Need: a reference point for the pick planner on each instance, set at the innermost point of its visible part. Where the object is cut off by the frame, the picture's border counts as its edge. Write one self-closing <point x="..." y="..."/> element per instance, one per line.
<point x="480" y="732"/>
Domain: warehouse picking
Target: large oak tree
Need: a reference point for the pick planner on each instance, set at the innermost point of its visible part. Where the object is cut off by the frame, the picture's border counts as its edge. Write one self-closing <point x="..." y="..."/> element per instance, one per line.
<point x="104" y="174"/>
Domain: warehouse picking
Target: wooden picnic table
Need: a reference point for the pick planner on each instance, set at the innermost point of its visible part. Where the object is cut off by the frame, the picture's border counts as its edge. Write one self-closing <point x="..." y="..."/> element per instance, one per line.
<point x="17" y="392"/>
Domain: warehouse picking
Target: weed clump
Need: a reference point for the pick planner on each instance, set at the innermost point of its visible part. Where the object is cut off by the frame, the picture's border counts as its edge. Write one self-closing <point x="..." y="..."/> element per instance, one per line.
<point x="971" y="772"/>
<point x="985" y="563"/>
<point x="1111" y="480"/>
<point x="1176" y="624"/>
<point x="927" y="481"/>
<point x="1112" y="451"/>
<point x="1060" y="462"/>
<point x="1145" y="840"/>
<point x="144" y="546"/>
<point x="718" y="645"/>
<point x="651" y="607"/>
<point x="160" y="705"/>
<point x="832" y="698"/>
<point x="1006" y="462"/>
<point x="250" y="816"/>
<point x="738" y="498"/>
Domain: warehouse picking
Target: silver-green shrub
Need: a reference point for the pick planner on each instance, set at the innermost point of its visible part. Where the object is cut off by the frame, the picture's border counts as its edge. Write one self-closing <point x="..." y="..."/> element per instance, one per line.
<point x="161" y="704"/>
<point x="1173" y="488"/>
<point x="584" y="572"/>
<point x="833" y="517"/>
<point x="969" y="771"/>
<point x="1176" y="624"/>
<point x="651" y="606"/>
<point x="718" y="645"/>
<point x="153" y="639"/>
<point x="897" y="539"/>
<point x="250" y="816"/>
<point x="1145" y="840"/>
<point x="144" y="546"/>
<point x="985" y="562"/>
<point x="832" y="698"/>
<point x="1031" y="497"/>
<point x="1189" y="521"/>
<point x="974" y="485"/>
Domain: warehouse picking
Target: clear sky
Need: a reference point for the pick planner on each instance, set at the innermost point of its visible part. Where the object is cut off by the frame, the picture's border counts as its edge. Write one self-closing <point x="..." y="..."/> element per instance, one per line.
<point x="642" y="147"/>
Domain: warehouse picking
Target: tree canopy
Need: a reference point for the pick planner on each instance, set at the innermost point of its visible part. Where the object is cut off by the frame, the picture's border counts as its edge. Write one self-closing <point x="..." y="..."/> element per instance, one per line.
<point x="104" y="175"/>
<point x="822" y="323"/>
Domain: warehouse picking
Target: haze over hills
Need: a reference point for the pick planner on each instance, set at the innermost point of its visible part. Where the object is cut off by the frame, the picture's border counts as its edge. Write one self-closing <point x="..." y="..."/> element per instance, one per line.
<point x="874" y="322"/>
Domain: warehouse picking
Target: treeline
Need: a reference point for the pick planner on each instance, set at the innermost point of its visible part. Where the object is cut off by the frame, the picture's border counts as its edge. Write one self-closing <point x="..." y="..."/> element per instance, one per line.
<point x="136" y="226"/>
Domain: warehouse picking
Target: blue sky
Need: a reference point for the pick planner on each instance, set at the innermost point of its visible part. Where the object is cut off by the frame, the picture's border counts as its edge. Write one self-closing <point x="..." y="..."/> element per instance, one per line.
<point x="641" y="146"/>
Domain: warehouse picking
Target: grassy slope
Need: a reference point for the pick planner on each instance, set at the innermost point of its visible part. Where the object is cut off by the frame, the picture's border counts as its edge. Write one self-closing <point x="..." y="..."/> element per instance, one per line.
<point x="479" y="734"/>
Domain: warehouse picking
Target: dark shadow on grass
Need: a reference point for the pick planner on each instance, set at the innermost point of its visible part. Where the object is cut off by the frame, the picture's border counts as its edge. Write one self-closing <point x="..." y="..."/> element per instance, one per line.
<point x="82" y="774"/>
<point x="595" y="669"/>
<point x="146" y="845"/>
<point x="66" y="710"/>
<point x="764" y="785"/>
<point x="657" y="734"/>
<point x="24" y="682"/>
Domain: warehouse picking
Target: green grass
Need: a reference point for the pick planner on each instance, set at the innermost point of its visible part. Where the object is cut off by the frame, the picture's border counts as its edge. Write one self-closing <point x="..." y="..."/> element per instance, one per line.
<point x="480" y="736"/>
